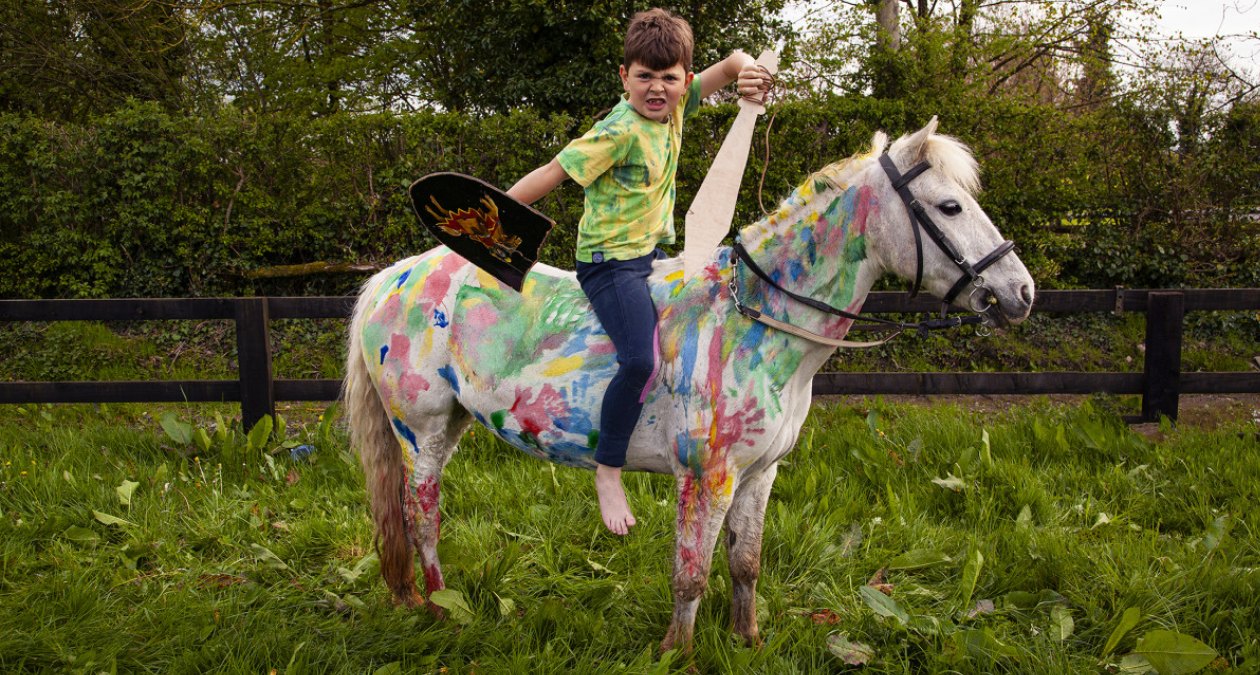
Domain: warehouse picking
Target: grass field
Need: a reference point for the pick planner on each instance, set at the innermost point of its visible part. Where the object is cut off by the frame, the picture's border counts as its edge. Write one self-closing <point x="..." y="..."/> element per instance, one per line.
<point x="1041" y="539"/>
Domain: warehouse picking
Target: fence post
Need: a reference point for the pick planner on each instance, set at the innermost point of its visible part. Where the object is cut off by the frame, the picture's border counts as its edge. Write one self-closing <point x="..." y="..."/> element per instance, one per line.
<point x="1161" y="386"/>
<point x="253" y="356"/>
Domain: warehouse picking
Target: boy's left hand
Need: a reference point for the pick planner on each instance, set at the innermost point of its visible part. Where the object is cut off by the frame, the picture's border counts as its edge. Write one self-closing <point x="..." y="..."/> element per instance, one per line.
<point x="754" y="81"/>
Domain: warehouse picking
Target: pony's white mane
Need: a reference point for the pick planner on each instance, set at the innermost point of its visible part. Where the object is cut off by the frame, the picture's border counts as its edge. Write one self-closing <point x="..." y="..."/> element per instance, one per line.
<point x="946" y="154"/>
<point x="949" y="156"/>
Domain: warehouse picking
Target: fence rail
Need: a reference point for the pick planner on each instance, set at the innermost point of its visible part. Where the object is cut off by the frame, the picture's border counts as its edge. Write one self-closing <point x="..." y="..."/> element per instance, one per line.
<point x="1160" y="384"/>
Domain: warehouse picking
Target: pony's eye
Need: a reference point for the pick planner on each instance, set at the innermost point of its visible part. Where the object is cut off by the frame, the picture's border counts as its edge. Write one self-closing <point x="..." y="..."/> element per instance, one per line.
<point x="950" y="208"/>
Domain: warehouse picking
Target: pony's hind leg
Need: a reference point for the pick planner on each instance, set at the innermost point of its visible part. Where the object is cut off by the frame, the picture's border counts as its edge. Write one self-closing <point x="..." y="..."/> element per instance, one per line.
<point x="745" y="523"/>
<point x="427" y="448"/>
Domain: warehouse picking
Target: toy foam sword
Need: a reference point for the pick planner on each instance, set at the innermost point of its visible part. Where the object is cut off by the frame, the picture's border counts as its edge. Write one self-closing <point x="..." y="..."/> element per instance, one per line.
<point x="709" y="217"/>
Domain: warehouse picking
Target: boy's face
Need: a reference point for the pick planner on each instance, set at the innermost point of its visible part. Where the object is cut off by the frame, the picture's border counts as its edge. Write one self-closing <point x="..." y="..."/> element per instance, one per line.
<point x="655" y="93"/>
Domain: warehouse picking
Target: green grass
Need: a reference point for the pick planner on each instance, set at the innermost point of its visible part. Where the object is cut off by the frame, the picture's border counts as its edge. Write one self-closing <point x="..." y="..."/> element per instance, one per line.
<point x="244" y="561"/>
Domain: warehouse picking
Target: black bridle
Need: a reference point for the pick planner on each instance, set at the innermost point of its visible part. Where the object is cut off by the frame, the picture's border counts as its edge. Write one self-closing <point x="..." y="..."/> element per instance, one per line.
<point x="919" y="220"/>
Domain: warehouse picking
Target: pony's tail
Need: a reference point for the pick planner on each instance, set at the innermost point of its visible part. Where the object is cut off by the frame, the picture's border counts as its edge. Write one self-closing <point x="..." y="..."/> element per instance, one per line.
<point x="381" y="457"/>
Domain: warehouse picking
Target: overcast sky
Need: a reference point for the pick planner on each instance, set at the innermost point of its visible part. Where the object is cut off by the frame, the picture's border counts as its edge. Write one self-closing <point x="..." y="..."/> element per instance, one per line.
<point x="1207" y="18"/>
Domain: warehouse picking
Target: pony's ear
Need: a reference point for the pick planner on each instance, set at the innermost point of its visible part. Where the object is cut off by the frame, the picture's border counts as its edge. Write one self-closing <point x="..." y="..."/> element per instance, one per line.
<point x="916" y="145"/>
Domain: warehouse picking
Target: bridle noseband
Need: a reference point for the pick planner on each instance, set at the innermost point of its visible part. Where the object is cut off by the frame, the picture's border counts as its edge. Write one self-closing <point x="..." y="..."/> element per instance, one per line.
<point x="919" y="220"/>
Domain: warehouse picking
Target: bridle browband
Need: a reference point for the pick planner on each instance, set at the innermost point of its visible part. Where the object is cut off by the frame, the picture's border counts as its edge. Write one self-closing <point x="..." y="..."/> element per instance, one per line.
<point x="919" y="219"/>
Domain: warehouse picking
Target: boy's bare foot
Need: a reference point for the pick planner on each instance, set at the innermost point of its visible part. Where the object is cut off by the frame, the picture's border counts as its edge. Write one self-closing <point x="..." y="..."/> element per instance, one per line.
<point x="612" y="499"/>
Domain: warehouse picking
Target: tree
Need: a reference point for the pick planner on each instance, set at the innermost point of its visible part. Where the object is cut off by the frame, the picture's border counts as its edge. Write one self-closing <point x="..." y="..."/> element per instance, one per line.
<point x="67" y="59"/>
<point x="481" y="56"/>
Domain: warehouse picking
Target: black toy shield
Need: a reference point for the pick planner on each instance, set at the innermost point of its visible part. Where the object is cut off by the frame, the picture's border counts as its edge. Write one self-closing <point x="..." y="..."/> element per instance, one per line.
<point x="481" y="223"/>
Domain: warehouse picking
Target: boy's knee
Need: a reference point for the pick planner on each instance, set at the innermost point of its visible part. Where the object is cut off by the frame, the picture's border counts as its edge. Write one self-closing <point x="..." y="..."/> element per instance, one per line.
<point x="638" y="369"/>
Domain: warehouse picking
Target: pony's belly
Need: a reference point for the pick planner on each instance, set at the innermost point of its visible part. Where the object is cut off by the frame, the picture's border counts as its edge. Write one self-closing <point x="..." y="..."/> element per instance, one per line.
<point x="555" y="420"/>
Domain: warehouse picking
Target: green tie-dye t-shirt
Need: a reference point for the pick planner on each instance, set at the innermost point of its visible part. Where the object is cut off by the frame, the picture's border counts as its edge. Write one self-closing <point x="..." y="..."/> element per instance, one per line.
<point x="626" y="163"/>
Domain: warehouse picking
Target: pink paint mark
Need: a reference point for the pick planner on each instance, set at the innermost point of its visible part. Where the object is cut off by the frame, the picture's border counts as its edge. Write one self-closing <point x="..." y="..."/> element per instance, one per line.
<point x="399" y="347"/>
<point x="540" y="412"/>
<point x="601" y="348"/>
<point x="656" y="362"/>
<point x="481" y="317"/>
<point x="387" y="313"/>
<point x="438" y="282"/>
<point x="552" y="342"/>
<point x="412" y="384"/>
<point x="867" y="203"/>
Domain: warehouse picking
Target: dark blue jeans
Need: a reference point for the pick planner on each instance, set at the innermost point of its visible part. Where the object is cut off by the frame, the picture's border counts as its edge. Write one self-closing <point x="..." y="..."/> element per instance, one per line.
<point x="618" y="291"/>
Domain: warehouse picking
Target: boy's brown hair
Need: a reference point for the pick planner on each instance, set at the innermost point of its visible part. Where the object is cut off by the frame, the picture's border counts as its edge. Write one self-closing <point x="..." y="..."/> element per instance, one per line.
<point x="658" y="40"/>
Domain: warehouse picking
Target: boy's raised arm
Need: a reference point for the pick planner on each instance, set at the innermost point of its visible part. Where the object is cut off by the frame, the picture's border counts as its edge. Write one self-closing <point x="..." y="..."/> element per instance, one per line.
<point x="736" y="67"/>
<point x="538" y="183"/>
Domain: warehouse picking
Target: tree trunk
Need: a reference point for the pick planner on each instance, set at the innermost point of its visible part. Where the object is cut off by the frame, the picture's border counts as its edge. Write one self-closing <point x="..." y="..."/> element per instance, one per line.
<point x="886" y="80"/>
<point x="889" y="25"/>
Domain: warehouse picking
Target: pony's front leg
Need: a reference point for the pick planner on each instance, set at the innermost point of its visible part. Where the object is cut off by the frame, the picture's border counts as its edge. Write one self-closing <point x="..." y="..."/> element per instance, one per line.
<point x="744" y="525"/>
<point x="703" y="499"/>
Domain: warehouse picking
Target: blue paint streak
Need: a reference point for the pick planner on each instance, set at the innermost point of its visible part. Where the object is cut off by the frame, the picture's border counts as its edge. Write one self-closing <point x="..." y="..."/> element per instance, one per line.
<point x="406" y="432"/>
<point x="448" y="374"/>
<point x="401" y="278"/>
<point x="384" y="351"/>
<point x="690" y="343"/>
<point x="439" y="319"/>
<point x="564" y="453"/>
<point x="751" y="342"/>
<point x="795" y="269"/>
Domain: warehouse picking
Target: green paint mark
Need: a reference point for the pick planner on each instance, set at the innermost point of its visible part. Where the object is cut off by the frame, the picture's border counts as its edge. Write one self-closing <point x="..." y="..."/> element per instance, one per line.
<point x="497" y="417"/>
<point x="592" y="439"/>
<point x="855" y="250"/>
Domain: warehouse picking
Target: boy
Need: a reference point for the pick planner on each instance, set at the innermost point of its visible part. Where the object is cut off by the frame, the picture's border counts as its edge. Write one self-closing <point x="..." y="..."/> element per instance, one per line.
<point x="626" y="163"/>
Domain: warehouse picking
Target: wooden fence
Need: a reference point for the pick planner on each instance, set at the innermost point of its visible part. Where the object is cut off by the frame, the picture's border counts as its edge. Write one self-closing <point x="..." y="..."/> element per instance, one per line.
<point x="1160" y="384"/>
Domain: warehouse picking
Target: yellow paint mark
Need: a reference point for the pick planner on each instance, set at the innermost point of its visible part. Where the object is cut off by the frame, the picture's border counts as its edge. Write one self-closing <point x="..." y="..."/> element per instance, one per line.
<point x="486" y="280"/>
<point x="562" y="366"/>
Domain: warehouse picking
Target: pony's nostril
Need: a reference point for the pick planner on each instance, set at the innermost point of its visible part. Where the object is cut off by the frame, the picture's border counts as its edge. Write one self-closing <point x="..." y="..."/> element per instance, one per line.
<point x="1025" y="292"/>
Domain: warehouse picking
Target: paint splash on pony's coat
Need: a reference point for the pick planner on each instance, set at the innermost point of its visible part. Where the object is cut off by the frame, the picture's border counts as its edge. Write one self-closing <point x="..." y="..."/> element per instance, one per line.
<point x="533" y="366"/>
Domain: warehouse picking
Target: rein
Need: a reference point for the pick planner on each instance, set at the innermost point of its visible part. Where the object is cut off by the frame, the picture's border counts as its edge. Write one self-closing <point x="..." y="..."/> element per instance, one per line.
<point x="919" y="219"/>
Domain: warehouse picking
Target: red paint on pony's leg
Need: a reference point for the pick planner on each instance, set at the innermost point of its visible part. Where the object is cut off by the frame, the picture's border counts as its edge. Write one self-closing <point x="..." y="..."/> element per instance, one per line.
<point x="428" y="493"/>
<point x="690" y="559"/>
<point x="433" y="580"/>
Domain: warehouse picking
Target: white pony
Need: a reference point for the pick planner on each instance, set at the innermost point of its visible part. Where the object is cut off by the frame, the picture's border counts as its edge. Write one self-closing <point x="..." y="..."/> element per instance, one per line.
<point x="436" y="344"/>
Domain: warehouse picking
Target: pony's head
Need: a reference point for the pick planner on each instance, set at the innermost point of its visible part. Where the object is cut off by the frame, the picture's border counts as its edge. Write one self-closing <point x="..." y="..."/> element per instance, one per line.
<point x="945" y="190"/>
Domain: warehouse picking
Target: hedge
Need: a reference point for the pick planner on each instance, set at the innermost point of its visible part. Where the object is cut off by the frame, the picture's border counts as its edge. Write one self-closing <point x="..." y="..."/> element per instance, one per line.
<point x="144" y="203"/>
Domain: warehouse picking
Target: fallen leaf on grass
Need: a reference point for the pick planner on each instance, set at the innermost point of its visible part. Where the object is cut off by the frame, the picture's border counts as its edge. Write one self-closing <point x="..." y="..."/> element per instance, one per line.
<point x="950" y="482"/>
<point x="453" y="602"/>
<point x="293" y="477"/>
<point x="1173" y="653"/>
<point x="879" y="581"/>
<point x="883" y="605"/>
<point x="852" y="653"/>
<point x="982" y="607"/>
<point x="826" y="616"/>
<point x="111" y="520"/>
<point x="125" y="491"/>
